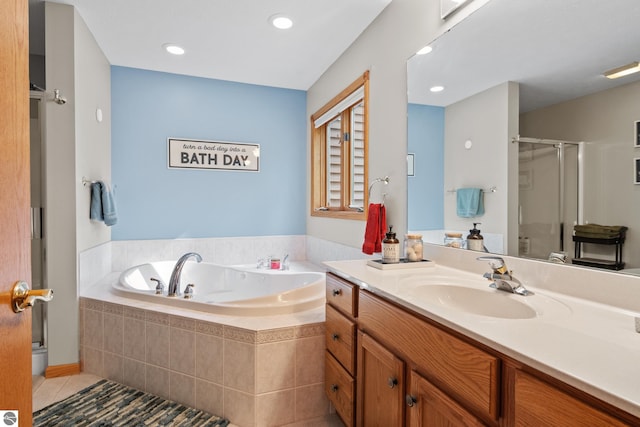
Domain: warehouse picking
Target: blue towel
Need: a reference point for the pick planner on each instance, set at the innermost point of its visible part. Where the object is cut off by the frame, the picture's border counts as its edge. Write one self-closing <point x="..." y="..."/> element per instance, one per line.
<point x="469" y="202"/>
<point x="103" y="206"/>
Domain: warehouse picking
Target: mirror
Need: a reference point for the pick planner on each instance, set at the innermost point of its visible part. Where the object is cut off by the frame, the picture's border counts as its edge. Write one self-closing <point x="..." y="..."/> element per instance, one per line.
<point x="526" y="72"/>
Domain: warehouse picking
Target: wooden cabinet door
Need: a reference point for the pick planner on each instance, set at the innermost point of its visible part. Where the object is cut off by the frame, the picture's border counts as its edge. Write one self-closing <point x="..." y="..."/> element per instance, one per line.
<point x="540" y="404"/>
<point x="380" y="390"/>
<point x="430" y="407"/>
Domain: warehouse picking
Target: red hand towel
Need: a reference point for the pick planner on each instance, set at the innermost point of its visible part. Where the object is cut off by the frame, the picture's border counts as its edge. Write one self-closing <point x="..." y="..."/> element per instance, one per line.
<point x="375" y="229"/>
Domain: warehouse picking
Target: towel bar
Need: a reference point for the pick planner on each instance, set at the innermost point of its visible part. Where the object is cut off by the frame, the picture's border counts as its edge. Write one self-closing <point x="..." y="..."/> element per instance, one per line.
<point x="489" y="190"/>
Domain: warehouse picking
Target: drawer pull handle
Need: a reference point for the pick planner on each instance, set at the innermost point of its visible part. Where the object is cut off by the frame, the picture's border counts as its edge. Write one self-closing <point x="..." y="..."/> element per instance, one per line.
<point x="335" y="337"/>
<point x="392" y="382"/>
<point x="337" y="292"/>
<point x="334" y="387"/>
<point x="411" y="400"/>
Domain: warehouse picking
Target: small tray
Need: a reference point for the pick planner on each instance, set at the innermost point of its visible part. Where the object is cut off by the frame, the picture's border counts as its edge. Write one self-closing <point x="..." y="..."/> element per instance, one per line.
<point x="403" y="264"/>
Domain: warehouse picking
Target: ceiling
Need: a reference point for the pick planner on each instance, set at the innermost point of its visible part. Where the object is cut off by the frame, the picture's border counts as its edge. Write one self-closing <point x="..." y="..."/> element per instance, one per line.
<point x="224" y="39"/>
<point x="556" y="50"/>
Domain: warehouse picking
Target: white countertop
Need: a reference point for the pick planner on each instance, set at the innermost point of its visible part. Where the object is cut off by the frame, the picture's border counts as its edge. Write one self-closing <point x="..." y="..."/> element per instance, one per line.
<point x="591" y="346"/>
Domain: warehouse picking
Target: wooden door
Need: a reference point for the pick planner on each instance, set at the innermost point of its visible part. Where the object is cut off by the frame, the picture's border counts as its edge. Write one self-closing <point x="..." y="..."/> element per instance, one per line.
<point x="430" y="407"/>
<point x="15" y="257"/>
<point x="380" y="391"/>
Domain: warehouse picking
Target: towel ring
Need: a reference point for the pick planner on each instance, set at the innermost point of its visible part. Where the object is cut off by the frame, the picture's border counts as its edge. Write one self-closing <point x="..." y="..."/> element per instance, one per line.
<point x="377" y="180"/>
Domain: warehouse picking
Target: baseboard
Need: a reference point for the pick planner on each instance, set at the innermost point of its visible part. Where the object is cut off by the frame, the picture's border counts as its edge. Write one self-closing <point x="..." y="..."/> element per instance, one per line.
<point x="62" y="370"/>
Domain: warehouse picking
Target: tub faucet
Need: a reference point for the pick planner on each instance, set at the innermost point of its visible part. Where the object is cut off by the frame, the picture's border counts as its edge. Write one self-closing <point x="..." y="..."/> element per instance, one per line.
<point x="174" y="282"/>
<point x="501" y="277"/>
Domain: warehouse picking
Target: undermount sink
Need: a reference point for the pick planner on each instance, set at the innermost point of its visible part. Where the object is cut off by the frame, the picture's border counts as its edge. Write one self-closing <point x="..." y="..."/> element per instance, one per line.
<point x="487" y="302"/>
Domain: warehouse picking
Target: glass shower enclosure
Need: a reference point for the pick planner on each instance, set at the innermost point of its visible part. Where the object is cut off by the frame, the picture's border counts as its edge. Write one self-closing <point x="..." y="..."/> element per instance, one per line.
<point x="549" y="197"/>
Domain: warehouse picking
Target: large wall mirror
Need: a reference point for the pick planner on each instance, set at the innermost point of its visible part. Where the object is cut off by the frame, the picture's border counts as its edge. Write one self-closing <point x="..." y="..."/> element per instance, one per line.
<point x="513" y="101"/>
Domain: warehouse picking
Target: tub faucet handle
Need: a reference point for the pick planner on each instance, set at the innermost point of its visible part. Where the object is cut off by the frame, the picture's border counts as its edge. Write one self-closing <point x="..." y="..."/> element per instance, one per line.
<point x="188" y="291"/>
<point x="159" y="285"/>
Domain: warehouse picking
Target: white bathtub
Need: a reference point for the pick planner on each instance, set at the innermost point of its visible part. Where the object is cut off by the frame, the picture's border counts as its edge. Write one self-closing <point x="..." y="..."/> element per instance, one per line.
<point x="231" y="290"/>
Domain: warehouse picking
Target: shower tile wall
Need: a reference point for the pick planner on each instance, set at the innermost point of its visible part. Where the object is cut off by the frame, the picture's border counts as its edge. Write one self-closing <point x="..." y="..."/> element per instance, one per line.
<point x="262" y="378"/>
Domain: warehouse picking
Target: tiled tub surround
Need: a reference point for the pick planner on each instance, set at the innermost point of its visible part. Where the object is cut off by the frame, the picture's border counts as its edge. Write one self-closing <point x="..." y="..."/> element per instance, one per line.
<point x="256" y="371"/>
<point x="253" y="377"/>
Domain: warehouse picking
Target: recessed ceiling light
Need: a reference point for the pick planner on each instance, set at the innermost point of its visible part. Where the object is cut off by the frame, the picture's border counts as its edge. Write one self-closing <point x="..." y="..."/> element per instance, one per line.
<point x="625" y="70"/>
<point x="437" y="89"/>
<point x="424" y="50"/>
<point x="173" y="49"/>
<point x="281" y="22"/>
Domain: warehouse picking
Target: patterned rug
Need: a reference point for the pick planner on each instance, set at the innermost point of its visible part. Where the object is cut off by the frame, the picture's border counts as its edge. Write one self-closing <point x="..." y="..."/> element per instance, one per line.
<point x="107" y="404"/>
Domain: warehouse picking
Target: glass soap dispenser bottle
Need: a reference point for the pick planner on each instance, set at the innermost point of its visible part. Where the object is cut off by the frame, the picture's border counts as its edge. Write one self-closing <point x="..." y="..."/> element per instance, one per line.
<point x="390" y="248"/>
<point x="475" y="241"/>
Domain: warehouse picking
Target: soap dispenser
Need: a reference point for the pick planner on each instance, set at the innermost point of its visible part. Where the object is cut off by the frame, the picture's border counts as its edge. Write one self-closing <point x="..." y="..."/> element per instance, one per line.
<point x="390" y="248"/>
<point x="475" y="241"/>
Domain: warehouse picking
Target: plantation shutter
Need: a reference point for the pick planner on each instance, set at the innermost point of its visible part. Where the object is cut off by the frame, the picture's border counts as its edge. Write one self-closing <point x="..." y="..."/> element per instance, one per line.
<point x="334" y="163"/>
<point x="357" y="156"/>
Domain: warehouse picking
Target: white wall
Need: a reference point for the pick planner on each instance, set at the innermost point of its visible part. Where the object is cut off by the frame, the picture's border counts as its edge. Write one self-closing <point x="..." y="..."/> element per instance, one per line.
<point x="383" y="48"/>
<point x="482" y="119"/>
<point x="75" y="145"/>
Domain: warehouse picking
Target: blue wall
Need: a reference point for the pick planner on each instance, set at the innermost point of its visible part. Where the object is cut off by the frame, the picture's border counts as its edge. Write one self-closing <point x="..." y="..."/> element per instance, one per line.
<point x="426" y="188"/>
<point x="155" y="202"/>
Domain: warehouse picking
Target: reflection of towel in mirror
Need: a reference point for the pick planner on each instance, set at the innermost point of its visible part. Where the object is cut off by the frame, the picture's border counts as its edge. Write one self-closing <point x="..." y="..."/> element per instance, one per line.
<point x="375" y="229"/>
<point x="103" y="207"/>
<point x="469" y="202"/>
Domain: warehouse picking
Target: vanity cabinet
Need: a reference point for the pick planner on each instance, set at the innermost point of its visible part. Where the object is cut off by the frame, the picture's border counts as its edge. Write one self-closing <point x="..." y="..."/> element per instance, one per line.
<point x="387" y="365"/>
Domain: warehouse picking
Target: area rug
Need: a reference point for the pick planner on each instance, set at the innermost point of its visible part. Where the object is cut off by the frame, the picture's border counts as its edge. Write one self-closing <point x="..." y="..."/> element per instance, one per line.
<point x="107" y="404"/>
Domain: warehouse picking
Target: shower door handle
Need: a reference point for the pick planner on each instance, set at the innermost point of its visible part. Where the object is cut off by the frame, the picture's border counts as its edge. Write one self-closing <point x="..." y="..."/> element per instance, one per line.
<point x="22" y="297"/>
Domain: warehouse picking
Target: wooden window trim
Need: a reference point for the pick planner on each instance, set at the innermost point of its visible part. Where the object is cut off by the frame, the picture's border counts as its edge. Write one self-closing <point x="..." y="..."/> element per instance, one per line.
<point x="319" y="157"/>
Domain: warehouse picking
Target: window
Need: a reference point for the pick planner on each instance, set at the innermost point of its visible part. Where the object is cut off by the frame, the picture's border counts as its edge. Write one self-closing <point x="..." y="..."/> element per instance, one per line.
<point x="339" y="154"/>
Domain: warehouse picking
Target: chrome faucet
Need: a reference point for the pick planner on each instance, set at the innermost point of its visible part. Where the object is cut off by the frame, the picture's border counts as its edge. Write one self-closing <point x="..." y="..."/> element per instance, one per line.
<point x="501" y="277"/>
<point x="174" y="282"/>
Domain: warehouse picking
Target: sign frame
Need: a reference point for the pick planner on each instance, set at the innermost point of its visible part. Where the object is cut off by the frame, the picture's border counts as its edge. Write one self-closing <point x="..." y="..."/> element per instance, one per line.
<point x="184" y="153"/>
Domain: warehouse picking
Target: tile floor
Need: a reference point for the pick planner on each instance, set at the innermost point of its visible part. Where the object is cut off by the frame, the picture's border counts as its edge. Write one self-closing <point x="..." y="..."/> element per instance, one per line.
<point x="48" y="391"/>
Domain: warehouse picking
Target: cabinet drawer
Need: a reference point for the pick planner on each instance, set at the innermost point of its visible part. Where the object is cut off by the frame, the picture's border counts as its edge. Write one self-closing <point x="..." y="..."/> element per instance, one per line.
<point x="465" y="372"/>
<point x="340" y="338"/>
<point x="342" y="295"/>
<point x="339" y="387"/>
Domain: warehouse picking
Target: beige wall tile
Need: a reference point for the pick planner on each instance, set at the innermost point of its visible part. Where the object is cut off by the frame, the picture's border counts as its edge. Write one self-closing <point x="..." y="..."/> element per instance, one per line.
<point x="134" y="373"/>
<point x="275" y="367"/>
<point x="239" y="366"/>
<point x="239" y="408"/>
<point x="183" y="389"/>
<point x="113" y="333"/>
<point x="113" y="367"/>
<point x="311" y="402"/>
<point x="157" y="344"/>
<point x="275" y="409"/>
<point x="94" y="335"/>
<point x="209" y="397"/>
<point x="183" y="351"/>
<point x="134" y="339"/>
<point x="209" y="358"/>
<point x="157" y="381"/>
<point x="310" y="360"/>
<point x="93" y="362"/>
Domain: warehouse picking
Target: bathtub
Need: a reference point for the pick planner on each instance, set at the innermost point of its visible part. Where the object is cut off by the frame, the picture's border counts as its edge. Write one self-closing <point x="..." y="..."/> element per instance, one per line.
<point x="229" y="290"/>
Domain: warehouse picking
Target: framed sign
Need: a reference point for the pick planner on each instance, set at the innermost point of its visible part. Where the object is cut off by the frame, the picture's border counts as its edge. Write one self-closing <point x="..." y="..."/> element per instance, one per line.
<point x="636" y="170"/>
<point x="196" y="154"/>
<point x="636" y="133"/>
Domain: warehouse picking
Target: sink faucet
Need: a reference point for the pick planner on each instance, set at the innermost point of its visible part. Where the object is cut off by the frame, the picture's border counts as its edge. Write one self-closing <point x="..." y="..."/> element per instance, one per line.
<point x="501" y="276"/>
<point x="174" y="282"/>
